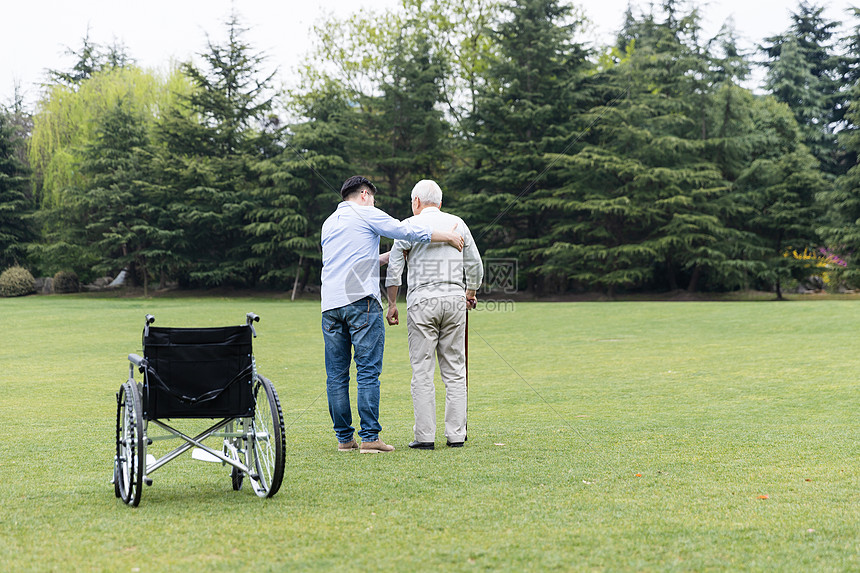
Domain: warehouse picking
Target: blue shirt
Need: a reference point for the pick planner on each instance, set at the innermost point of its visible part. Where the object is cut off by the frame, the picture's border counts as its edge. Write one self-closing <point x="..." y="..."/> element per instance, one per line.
<point x="350" y="251"/>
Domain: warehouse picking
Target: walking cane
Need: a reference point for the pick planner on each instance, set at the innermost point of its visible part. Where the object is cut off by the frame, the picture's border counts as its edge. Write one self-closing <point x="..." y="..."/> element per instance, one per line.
<point x="467" y="371"/>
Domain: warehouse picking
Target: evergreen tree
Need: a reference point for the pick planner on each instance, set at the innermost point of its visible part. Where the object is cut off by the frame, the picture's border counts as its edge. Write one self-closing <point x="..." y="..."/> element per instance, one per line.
<point x="91" y="59"/>
<point x="64" y="125"/>
<point x="215" y="140"/>
<point x="645" y="203"/>
<point x="310" y="172"/>
<point x="405" y="134"/>
<point x="842" y="229"/>
<point x="15" y="203"/>
<point x="804" y="71"/>
<point x="124" y="217"/>
<point x="393" y="66"/>
<point x="779" y="187"/>
<point x="534" y="86"/>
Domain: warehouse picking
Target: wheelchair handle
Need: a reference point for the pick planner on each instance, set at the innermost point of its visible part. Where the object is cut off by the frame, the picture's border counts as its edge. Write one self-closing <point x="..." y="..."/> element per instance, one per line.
<point x="250" y="319"/>
<point x="149" y="320"/>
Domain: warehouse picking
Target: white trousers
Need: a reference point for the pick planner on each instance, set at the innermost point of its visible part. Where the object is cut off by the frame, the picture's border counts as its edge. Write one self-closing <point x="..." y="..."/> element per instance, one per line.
<point x="437" y="326"/>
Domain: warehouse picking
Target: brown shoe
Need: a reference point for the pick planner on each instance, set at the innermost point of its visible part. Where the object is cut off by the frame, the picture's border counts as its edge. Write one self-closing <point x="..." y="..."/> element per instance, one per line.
<point x="347" y="446"/>
<point x="375" y="447"/>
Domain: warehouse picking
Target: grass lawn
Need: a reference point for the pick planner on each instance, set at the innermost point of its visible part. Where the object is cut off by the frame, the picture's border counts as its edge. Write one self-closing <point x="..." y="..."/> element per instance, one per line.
<point x="603" y="436"/>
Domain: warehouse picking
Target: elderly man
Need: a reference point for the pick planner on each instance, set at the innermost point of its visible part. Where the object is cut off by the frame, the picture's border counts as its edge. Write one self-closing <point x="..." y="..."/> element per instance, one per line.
<point x="352" y="309"/>
<point x="442" y="282"/>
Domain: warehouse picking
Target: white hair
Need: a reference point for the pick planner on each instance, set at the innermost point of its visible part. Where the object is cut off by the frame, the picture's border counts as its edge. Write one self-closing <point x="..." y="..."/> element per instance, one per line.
<point x="427" y="191"/>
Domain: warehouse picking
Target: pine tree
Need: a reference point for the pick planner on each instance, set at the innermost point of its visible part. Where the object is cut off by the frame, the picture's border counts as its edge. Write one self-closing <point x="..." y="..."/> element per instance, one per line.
<point x="535" y="85"/>
<point x="215" y="140"/>
<point x="644" y="204"/>
<point x="64" y="125"/>
<point x="124" y="218"/>
<point x="406" y="135"/>
<point x="310" y="171"/>
<point x="779" y="188"/>
<point x="841" y="231"/>
<point x="91" y="58"/>
<point x="804" y="71"/>
<point x="15" y="203"/>
<point x="392" y="67"/>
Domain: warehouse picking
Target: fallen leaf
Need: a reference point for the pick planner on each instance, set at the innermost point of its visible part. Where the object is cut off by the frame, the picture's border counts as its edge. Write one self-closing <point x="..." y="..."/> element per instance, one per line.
<point x="764" y="496"/>
<point x="639" y="475"/>
<point x="808" y="479"/>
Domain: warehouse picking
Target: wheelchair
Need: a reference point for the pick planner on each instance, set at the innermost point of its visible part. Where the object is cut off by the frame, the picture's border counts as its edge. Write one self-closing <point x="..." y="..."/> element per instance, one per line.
<point x="199" y="373"/>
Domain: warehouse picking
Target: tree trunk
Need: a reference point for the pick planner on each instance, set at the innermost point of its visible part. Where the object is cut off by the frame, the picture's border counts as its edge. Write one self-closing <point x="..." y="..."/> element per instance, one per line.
<point x="145" y="280"/>
<point x="694" y="280"/>
<point x="296" y="282"/>
<point x="306" y="271"/>
<point x="670" y="274"/>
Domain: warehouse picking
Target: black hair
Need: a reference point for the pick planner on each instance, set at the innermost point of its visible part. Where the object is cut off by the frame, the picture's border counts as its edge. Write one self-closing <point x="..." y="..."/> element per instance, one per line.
<point x="355" y="184"/>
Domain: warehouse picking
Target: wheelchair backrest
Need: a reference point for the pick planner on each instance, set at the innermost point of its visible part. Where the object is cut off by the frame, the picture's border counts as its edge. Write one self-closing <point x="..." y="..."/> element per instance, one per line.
<point x="198" y="372"/>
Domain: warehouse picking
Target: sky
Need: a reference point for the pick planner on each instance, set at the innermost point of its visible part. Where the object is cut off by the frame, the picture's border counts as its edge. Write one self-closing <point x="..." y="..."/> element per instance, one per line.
<point x="35" y="35"/>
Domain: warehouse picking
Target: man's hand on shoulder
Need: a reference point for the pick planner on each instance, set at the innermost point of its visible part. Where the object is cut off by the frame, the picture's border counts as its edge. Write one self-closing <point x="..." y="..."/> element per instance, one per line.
<point x="456" y="240"/>
<point x="451" y="237"/>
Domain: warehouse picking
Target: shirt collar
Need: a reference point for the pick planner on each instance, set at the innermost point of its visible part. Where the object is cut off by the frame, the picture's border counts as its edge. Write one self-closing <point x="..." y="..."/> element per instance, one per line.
<point x="429" y="208"/>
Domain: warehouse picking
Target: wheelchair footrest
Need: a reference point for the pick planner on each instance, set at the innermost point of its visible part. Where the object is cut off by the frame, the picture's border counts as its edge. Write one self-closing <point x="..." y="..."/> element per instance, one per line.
<point x="204" y="456"/>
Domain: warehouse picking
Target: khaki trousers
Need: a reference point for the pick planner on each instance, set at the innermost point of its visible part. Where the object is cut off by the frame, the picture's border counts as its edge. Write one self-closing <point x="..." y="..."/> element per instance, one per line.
<point x="437" y="326"/>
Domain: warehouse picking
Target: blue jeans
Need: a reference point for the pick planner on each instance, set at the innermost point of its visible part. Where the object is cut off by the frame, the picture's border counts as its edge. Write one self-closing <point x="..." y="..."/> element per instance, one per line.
<point x="357" y="325"/>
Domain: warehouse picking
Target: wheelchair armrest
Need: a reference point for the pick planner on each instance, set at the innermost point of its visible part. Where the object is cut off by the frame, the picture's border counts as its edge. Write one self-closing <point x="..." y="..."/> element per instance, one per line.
<point x="139" y="361"/>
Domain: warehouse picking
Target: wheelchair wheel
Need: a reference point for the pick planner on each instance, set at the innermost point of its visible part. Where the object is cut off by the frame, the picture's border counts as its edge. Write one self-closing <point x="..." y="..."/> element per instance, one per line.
<point x="234" y="448"/>
<point x="267" y="439"/>
<point x="237" y="476"/>
<point x="130" y="454"/>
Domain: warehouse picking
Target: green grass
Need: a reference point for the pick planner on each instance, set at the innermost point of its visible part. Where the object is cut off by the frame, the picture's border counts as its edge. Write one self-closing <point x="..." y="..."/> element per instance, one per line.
<point x="603" y="436"/>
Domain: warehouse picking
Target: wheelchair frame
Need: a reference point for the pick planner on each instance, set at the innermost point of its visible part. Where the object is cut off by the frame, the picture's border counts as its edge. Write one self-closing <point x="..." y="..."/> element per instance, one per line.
<point x="252" y="445"/>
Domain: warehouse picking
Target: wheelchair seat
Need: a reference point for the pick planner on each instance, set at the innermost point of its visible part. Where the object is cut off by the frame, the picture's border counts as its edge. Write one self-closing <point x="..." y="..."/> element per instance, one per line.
<point x="198" y="372"/>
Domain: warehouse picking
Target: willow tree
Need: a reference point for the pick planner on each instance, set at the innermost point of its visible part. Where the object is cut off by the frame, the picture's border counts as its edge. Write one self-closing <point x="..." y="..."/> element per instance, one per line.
<point x="65" y="123"/>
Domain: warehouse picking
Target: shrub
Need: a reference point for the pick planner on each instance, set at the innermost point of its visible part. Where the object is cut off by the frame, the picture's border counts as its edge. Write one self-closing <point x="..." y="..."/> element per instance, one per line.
<point x="66" y="281"/>
<point x="17" y="281"/>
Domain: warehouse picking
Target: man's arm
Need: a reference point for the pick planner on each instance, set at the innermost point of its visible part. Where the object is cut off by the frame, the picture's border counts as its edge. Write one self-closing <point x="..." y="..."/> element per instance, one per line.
<point x="473" y="268"/>
<point x="410" y="230"/>
<point x="393" y="317"/>
<point x="393" y="277"/>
